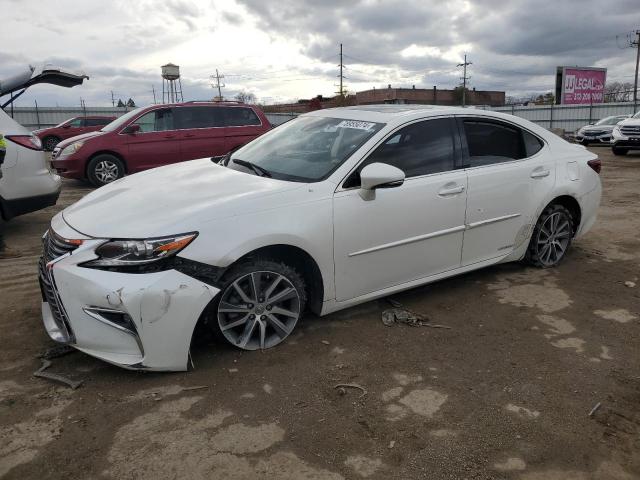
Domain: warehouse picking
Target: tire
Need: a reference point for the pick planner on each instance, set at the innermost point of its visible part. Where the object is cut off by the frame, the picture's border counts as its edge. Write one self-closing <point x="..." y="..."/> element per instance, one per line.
<point x="551" y="237"/>
<point x="619" y="150"/>
<point x="103" y="169"/>
<point x="49" y="143"/>
<point x="584" y="142"/>
<point x="246" y="322"/>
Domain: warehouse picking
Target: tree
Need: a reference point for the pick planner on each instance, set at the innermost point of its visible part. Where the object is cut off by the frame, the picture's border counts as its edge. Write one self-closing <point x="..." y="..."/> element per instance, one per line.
<point x="245" y="97"/>
<point x="120" y="103"/>
<point x="618" y="92"/>
<point x="131" y="103"/>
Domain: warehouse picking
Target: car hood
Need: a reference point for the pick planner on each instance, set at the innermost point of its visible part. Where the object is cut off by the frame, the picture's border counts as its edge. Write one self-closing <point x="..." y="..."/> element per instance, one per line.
<point x="177" y="198"/>
<point x="597" y="128"/>
<point x="630" y="121"/>
<point x="83" y="136"/>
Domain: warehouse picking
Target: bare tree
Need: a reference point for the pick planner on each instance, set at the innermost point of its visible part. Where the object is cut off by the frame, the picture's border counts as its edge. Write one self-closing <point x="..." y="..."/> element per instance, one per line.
<point x="245" y="97"/>
<point x="618" y="92"/>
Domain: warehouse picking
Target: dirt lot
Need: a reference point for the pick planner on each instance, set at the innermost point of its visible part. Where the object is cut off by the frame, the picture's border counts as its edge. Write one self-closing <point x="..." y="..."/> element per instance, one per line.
<point x="505" y="393"/>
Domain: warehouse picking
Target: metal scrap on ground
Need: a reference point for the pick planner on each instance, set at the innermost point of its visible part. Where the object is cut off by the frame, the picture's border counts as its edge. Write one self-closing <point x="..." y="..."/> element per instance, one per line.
<point x="397" y="315"/>
<point x="341" y="388"/>
<point x="54" y="376"/>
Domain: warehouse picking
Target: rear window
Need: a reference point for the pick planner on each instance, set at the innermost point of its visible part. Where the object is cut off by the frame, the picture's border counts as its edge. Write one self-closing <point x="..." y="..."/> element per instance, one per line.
<point x="96" y="122"/>
<point x="198" y="117"/>
<point x="240" y="116"/>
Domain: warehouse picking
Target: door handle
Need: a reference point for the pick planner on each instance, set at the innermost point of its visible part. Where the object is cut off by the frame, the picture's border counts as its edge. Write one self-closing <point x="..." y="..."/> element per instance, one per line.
<point x="169" y="136"/>
<point x="540" y="173"/>
<point x="189" y="135"/>
<point x="444" y="192"/>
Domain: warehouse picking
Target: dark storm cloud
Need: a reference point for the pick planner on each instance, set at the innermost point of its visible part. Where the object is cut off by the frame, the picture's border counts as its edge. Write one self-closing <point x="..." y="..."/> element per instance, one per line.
<point x="514" y="45"/>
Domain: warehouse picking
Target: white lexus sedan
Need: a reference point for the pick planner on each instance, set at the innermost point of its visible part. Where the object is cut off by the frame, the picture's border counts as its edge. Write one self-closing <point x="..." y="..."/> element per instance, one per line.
<point x="332" y="209"/>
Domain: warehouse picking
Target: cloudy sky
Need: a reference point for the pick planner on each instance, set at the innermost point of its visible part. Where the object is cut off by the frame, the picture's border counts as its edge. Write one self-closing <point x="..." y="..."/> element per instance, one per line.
<point x="286" y="49"/>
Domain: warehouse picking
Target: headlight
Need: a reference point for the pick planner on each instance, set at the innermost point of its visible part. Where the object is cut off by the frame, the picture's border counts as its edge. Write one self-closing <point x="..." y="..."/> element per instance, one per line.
<point x="71" y="149"/>
<point x="616" y="129"/>
<point x="139" y="252"/>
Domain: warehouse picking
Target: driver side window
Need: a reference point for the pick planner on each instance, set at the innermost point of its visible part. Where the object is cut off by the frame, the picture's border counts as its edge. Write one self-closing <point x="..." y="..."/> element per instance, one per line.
<point x="418" y="149"/>
<point x="156" y="121"/>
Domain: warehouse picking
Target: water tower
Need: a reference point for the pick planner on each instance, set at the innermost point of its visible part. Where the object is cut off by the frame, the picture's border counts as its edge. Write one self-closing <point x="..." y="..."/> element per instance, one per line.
<point x="171" y="85"/>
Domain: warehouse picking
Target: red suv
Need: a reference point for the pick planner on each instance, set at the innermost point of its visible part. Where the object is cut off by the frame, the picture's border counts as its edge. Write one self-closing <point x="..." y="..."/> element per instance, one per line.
<point x="50" y="137"/>
<point x="158" y="135"/>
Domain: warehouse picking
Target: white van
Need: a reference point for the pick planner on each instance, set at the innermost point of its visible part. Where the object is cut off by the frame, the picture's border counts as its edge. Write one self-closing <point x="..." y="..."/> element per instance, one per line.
<point x="28" y="181"/>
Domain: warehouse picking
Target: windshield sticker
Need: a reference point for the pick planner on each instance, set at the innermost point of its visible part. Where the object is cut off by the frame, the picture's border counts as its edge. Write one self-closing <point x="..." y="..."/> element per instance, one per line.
<point x="355" y="124"/>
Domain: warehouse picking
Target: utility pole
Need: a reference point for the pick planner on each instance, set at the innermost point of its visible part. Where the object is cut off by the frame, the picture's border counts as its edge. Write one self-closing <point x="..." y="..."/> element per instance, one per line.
<point x="341" y="77"/>
<point x="153" y="89"/>
<point x="464" y="79"/>
<point x="218" y="85"/>
<point x="113" y="100"/>
<point x="636" y="44"/>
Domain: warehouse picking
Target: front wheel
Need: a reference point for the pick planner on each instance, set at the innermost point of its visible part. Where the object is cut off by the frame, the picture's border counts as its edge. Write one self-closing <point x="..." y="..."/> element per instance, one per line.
<point x="551" y="237"/>
<point x="619" y="151"/>
<point x="260" y="304"/>
<point x="104" y="169"/>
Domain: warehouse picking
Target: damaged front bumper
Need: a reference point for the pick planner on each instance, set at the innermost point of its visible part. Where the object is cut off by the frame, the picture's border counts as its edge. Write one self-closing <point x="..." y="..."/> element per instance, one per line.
<point x="133" y="320"/>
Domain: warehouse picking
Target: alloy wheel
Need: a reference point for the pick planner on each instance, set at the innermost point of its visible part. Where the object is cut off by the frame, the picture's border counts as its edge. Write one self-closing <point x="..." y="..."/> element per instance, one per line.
<point x="553" y="238"/>
<point x="106" y="171"/>
<point x="258" y="310"/>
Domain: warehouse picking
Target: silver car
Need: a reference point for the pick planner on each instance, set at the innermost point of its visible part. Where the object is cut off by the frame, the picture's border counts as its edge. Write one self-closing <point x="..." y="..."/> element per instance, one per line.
<point x="599" y="132"/>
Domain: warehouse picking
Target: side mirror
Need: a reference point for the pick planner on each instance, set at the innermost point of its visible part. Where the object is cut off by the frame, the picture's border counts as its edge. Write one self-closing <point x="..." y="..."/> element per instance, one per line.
<point x="66" y="126"/>
<point x="132" y="129"/>
<point x="379" y="175"/>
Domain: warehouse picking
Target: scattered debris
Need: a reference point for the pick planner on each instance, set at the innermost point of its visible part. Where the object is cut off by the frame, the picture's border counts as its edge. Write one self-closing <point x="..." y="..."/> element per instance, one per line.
<point x="342" y="386"/>
<point x="629" y="284"/>
<point x="394" y="316"/>
<point x="392" y="443"/>
<point x="233" y="370"/>
<point x="326" y="342"/>
<point x="57" y="351"/>
<point x="595" y="409"/>
<point x="73" y="384"/>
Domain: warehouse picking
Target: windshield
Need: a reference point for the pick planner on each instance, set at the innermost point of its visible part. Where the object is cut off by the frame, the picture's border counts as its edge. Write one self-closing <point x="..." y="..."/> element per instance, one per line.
<point x="609" y="120"/>
<point x="65" y="122"/>
<point x="119" y="122"/>
<point x="306" y="149"/>
<point x="637" y="115"/>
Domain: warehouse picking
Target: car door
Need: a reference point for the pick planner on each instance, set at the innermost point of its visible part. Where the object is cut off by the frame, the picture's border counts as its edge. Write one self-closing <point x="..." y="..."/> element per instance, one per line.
<point x="510" y="171"/>
<point x="242" y="125"/>
<point x="407" y="232"/>
<point x="72" y="128"/>
<point x="157" y="143"/>
<point x="201" y="131"/>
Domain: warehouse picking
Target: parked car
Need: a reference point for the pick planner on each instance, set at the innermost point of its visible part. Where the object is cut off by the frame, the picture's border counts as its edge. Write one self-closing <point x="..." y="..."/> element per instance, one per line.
<point x="329" y="210"/>
<point x="158" y="135"/>
<point x="27" y="182"/>
<point x="599" y="132"/>
<point x="626" y="136"/>
<point x="71" y="128"/>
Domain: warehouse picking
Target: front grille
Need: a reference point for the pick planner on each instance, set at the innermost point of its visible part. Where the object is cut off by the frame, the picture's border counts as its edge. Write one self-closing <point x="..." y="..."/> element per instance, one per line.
<point x="55" y="246"/>
<point x="594" y="133"/>
<point x="630" y="130"/>
<point x="50" y="295"/>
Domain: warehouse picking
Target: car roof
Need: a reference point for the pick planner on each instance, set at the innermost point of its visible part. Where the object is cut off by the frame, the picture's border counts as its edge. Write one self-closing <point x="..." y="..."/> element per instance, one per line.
<point x="401" y="113"/>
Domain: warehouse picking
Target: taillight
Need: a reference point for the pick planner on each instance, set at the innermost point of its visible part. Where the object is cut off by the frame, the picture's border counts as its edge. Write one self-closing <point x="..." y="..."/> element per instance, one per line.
<point x="29" y="141"/>
<point x="596" y="165"/>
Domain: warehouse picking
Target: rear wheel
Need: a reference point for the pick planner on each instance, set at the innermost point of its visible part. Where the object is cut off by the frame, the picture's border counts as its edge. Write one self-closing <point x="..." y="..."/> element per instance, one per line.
<point x="260" y="304"/>
<point x="551" y="237"/>
<point x="49" y="143"/>
<point x="104" y="169"/>
<point x="619" y="151"/>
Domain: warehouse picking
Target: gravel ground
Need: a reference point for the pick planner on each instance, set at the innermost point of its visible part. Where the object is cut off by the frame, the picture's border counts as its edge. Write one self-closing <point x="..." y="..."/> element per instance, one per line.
<point x="504" y="393"/>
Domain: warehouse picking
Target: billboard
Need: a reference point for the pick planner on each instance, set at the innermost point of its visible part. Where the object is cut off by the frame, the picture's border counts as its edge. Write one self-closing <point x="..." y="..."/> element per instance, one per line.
<point x="579" y="85"/>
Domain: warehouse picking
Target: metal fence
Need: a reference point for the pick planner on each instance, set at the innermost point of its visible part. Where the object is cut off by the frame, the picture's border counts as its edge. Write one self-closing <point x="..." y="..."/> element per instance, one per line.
<point x="566" y="117"/>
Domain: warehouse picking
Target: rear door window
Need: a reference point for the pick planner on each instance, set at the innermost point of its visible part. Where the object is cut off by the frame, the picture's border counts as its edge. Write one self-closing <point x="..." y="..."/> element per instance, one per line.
<point x="532" y="144"/>
<point x="198" y="117"/>
<point x="156" y="121"/>
<point x="240" y="117"/>
<point x="492" y="142"/>
<point x="75" y="123"/>
<point x="96" y="122"/>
